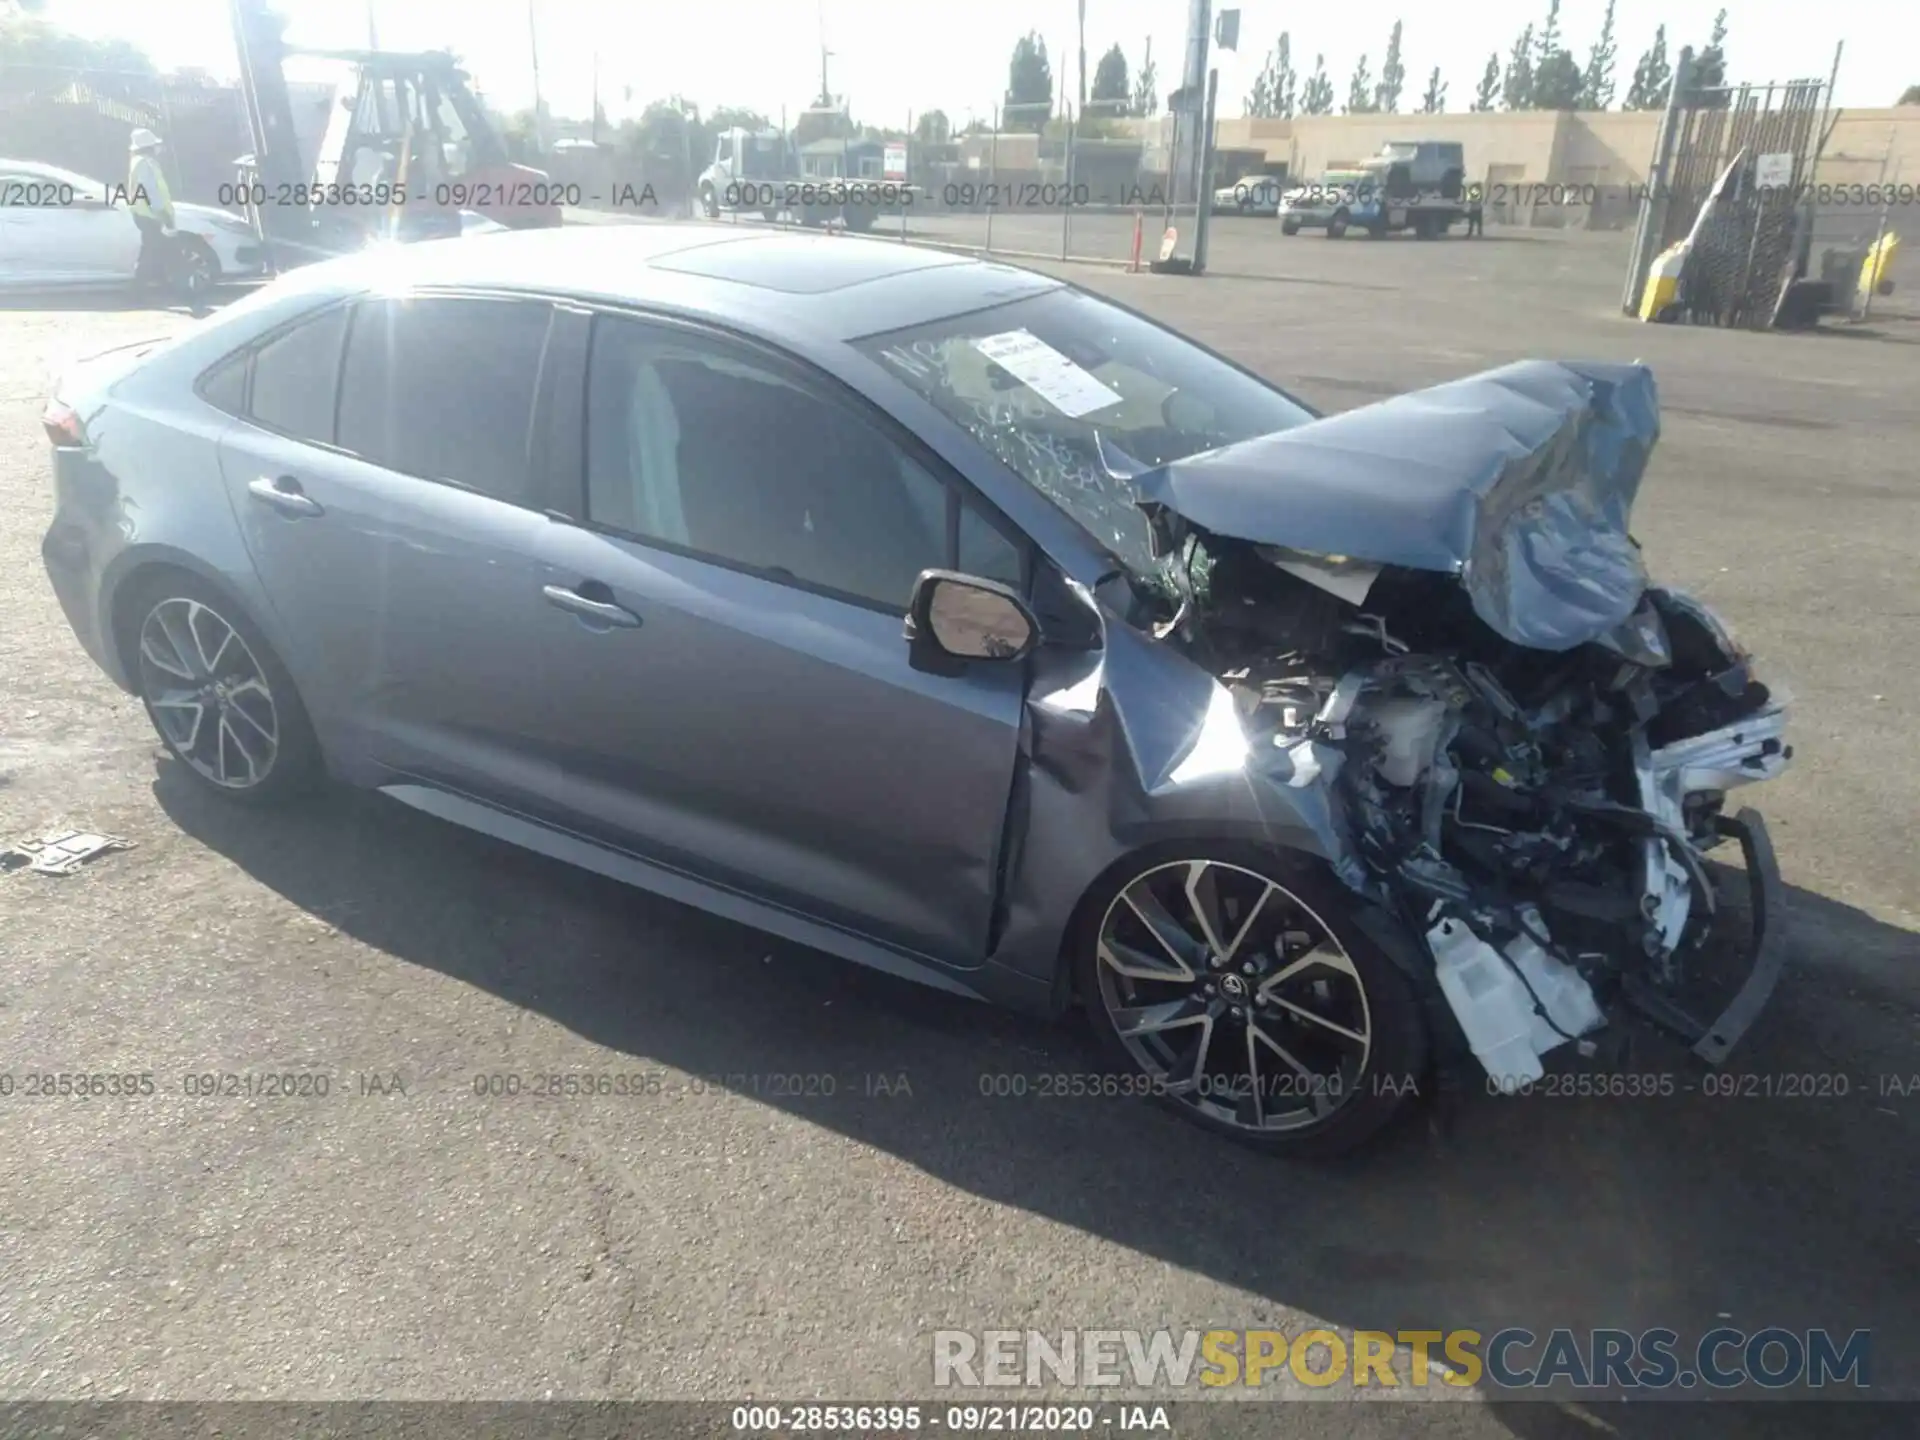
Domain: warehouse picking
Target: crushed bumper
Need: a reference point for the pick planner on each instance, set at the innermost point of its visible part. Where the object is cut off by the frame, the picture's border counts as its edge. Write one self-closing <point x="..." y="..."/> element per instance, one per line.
<point x="1712" y="1041"/>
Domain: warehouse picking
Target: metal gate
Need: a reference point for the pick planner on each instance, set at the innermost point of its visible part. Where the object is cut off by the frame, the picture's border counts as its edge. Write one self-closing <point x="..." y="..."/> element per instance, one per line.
<point x="1747" y="244"/>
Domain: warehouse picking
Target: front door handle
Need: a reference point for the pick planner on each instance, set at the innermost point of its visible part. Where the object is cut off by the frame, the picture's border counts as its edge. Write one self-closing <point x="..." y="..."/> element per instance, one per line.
<point x="590" y="607"/>
<point x="286" y="496"/>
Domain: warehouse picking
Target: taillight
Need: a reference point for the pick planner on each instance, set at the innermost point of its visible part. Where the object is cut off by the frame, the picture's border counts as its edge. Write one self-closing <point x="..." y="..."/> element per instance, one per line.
<point x="62" y="424"/>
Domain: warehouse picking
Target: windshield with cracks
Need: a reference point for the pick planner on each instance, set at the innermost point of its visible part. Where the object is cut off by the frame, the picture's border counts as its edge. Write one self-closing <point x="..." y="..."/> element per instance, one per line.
<point x="1076" y="395"/>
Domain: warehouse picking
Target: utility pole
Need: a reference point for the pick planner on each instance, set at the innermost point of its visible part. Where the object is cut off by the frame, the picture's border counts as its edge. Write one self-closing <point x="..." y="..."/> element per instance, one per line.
<point x="373" y="29"/>
<point x="1193" y="87"/>
<point x="1083" y="57"/>
<point x="826" y="95"/>
<point x="596" y="97"/>
<point x="1204" y="209"/>
<point x="533" y="46"/>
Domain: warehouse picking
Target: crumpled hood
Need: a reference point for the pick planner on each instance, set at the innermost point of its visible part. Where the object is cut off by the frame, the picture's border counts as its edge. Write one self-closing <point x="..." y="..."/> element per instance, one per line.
<point x="1518" y="480"/>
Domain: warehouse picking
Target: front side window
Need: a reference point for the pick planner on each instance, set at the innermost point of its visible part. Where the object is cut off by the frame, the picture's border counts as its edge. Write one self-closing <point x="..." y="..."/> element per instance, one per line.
<point x="1075" y="395"/>
<point x="716" y="450"/>
<point x="442" y="387"/>
<point x="294" y="378"/>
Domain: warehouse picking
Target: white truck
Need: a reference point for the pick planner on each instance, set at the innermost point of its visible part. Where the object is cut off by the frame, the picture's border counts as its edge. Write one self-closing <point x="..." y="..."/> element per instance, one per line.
<point x="1417" y="185"/>
<point x="761" y="172"/>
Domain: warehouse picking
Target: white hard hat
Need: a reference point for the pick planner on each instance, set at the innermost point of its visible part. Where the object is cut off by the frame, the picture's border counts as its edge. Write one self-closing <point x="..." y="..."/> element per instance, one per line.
<point x="142" y="139"/>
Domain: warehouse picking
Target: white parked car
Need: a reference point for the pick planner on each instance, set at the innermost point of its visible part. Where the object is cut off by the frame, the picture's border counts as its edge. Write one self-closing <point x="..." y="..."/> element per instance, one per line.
<point x="58" y="228"/>
<point x="1253" y="195"/>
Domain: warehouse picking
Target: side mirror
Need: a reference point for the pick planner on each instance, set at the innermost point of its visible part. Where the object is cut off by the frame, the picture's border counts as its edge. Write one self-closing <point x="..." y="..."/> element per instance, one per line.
<point x="953" y="619"/>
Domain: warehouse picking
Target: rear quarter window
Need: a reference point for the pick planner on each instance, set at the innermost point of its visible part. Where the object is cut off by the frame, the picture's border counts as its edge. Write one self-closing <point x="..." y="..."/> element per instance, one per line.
<point x="296" y="376"/>
<point x="225" y="386"/>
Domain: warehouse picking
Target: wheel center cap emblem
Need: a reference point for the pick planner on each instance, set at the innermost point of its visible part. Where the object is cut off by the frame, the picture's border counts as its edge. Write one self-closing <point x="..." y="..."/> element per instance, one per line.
<point x="1233" y="986"/>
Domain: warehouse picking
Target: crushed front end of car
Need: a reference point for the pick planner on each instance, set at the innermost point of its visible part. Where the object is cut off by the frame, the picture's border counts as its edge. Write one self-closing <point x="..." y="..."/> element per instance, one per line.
<point x="1433" y="609"/>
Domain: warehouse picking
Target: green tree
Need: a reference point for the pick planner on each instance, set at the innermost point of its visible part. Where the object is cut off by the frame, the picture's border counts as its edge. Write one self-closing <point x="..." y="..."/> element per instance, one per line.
<point x="1556" y="82"/>
<point x="1909" y="96"/>
<point x="1516" y="85"/>
<point x="26" y="39"/>
<point x="1146" y="94"/>
<point x="1112" y="89"/>
<point x="1029" y="102"/>
<point x="668" y="139"/>
<point x="1274" y="88"/>
<point x="1488" y="95"/>
<point x="1316" y="97"/>
<point x="1360" y="97"/>
<point x="1709" y="72"/>
<point x="1434" y="102"/>
<point x="1651" y="76"/>
<point x="1596" y="82"/>
<point x="933" y="128"/>
<point x="1546" y="40"/>
<point x="1393" y="75"/>
<point x="735" y="117"/>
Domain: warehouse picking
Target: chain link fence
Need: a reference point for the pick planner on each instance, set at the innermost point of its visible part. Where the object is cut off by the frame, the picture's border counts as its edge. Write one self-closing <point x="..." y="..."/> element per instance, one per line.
<point x="1030" y="182"/>
<point x="1859" y="199"/>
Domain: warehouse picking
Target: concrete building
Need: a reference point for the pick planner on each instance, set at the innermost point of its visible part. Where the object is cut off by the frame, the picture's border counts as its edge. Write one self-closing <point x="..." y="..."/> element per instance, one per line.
<point x="1564" y="147"/>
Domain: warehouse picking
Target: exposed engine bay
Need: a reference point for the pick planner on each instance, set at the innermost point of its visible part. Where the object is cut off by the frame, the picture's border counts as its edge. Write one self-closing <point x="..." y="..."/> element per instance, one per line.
<point x="1530" y="744"/>
<point x="1540" y="817"/>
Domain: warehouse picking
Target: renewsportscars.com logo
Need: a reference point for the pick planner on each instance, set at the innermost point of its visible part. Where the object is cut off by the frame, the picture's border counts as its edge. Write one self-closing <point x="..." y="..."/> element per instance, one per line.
<point x="1511" y="1359"/>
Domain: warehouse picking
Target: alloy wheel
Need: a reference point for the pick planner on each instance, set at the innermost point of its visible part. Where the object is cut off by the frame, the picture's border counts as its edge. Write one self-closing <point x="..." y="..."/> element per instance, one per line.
<point x="197" y="271"/>
<point x="208" y="694"/>
<point x="1233" y="996"/>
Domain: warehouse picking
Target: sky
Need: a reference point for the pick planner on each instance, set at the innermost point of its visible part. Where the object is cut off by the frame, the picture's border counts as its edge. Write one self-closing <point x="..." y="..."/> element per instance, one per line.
<point x="895" y="58"/>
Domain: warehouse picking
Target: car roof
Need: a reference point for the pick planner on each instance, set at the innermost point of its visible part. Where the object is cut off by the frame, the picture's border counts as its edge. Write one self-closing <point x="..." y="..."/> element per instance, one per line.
<point x="775" y="281"/>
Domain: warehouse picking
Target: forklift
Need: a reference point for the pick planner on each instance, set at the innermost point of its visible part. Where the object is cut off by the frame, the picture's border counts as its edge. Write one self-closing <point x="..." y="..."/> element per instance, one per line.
<point x="406" y="150"/>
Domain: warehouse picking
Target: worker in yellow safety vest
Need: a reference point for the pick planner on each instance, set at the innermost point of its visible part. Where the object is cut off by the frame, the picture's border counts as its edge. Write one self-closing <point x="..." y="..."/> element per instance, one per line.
<point x="1476" y="197"/>
<point x="151" y="203"/>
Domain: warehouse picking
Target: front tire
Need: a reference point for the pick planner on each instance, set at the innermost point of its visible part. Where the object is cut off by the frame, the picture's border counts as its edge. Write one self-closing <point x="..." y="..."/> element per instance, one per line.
<point x="1337" y="226"/>
<point x="1289" y="227"/>
<point x="220" y="699"/>
<point x="1230" y="982"/>
<point x="709" y="202"/>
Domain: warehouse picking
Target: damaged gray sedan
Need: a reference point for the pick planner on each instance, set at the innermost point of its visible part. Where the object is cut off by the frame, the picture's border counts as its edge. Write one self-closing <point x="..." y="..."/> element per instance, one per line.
<point x="963" y="624"/>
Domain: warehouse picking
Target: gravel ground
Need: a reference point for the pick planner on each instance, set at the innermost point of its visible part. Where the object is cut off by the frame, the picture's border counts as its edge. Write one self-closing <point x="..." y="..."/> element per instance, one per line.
<point x="404" y="1238"/>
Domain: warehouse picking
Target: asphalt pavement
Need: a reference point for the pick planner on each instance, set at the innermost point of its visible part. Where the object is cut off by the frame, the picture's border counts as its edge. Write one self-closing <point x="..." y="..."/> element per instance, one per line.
<point x="808" y="1172"/>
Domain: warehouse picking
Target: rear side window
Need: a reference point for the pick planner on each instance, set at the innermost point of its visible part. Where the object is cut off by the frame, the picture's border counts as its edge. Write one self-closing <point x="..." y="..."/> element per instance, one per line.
<point x="294" y="378"/>
<point x="443" y="388"/>
<point x="225" y="386"/>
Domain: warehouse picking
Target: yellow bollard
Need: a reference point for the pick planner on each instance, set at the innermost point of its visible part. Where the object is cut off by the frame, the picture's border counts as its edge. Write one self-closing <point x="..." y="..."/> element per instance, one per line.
<point x="1873" y="270"/>
<point x="1663" y="281"/>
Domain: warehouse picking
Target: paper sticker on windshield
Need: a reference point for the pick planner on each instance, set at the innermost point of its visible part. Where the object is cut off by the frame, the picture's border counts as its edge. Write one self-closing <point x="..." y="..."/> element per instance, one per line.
<point x="1044" y="370"/>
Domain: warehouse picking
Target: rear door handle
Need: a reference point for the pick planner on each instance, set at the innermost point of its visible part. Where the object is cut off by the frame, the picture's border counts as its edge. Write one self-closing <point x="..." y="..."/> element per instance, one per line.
<point x="590" y="607"/>
<point x="286" y="496"/>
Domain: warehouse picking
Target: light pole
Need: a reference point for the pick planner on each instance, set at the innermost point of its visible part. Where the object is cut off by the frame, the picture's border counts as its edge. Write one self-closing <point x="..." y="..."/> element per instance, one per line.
<point x="1083" y="57"/>
<point x="533" y="46"/>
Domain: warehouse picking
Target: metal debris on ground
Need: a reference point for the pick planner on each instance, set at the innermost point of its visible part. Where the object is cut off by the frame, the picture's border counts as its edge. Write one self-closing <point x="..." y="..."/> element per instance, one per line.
<point x="60" y="853"/>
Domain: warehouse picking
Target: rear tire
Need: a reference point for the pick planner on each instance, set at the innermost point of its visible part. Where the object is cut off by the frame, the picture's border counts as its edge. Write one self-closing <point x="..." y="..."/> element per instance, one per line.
<point x="216" y="693"/>
<point x="1272" y="1020"/>
<point x="1337" y="226"/>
